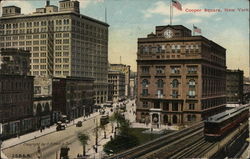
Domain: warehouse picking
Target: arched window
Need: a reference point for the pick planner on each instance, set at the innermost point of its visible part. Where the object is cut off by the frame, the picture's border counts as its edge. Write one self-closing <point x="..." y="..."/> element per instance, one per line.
<point x="165" y="119"/>
<point x="175" y="83"/>
<point x="188" y="117"/>
<point x="160" y="83"/>
<point x="39" y="109"/>
<point x="191" y="83"/>
<point x="145" y="83"/>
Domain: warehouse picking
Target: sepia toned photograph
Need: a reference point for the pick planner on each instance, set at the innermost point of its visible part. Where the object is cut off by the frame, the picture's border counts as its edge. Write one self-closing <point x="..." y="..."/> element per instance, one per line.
<point x="124" y="79"/>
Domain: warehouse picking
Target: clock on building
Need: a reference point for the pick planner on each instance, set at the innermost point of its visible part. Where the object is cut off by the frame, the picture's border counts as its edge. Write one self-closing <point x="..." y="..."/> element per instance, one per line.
<point x="168" y="33"/>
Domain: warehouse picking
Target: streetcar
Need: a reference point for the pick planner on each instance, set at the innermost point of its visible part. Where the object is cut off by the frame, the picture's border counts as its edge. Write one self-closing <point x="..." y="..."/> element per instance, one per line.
<point x="219" y="125"/>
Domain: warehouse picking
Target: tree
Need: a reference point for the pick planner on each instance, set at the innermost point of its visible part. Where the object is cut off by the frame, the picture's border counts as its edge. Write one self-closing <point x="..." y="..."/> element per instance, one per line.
<point x="103" y="127"/>
<point x="83" y="138"/>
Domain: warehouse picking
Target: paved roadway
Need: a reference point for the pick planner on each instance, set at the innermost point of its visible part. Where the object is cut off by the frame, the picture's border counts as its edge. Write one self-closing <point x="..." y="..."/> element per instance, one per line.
<point x="50" y="144"/>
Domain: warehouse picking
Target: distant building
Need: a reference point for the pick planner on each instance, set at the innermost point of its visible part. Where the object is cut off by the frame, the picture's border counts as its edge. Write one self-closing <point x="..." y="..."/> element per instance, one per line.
<point x="117" y="79"/>
<point x="133" y="84"/>
<point x="73" y="96"/>
<point x="62" y="42"/>
<point x="126" y="70"/>
<point x="234" y="86"/>
<point x="16" y="93"/>
<point x="14" y="61"/>
<point x="181" y="78"/>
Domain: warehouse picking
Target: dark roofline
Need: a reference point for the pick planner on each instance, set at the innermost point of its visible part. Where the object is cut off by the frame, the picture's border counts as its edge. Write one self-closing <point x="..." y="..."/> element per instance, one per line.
<point x="69" y="78"/>
<point x="11" y="6"/>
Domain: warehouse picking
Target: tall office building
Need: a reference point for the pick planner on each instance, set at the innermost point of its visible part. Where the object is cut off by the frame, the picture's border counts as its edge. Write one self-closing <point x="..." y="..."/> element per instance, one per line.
<point x="181" y="78"/>
<point x="62" y="42"/>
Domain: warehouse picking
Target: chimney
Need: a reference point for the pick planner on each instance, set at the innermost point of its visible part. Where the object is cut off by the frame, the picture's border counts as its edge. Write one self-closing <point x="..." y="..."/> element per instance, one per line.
<point x="47" y="3"/>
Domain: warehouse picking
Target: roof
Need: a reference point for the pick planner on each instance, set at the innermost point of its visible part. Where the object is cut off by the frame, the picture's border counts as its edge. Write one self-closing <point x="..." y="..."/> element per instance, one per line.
<point x="226" y="114"/>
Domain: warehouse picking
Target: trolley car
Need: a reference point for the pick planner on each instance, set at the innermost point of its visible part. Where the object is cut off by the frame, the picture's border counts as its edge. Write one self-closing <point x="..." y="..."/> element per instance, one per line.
<point x="217" y="126"/>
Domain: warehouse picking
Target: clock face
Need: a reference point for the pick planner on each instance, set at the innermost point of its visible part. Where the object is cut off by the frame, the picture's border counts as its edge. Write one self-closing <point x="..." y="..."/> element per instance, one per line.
<point x="168" y="34"/>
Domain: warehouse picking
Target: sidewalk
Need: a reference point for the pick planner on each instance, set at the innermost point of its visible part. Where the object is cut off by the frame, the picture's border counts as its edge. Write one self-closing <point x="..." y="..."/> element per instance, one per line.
<point x="36" y="134"/>
<point x="101" y="142"/>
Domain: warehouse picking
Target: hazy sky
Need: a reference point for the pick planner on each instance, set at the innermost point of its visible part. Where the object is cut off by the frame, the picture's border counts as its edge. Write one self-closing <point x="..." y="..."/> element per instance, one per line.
<point x="131" y="19"/>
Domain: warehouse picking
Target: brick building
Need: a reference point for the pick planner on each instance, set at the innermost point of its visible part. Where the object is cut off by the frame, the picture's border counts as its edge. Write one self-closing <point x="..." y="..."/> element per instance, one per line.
<point x="117" y="80"/>
<point x="73" y="96"/>
<point x="181" y="78"/>
<point x="16" y="93"/>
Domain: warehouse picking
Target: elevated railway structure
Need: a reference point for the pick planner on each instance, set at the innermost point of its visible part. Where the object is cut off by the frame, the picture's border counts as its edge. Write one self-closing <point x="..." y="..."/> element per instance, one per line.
<point x="224" y="139"/>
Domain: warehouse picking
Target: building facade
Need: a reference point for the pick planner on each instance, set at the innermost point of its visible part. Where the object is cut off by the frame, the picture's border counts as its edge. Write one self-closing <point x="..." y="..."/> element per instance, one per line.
<point x="181" y="78"/>
<point x="133" y="85"/>
<point x="234" y="86"/>
<point x="73" y="96"/>
<point x="126" y="70"/>
<point x="16" y="93"/>
<point x="117" y="80"/>
<point x="14" y="61"/>
<point x="42" y="103"/>
<point x="62" y="42"/>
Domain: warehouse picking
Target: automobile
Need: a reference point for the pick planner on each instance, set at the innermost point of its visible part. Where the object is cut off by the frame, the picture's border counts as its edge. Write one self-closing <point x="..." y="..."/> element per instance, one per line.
<point x="61" y="126"/>
<point x="79" y="124"/>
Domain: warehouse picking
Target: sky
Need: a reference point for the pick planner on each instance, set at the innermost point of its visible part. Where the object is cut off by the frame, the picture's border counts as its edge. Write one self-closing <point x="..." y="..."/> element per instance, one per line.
<point x="133" y="19"/>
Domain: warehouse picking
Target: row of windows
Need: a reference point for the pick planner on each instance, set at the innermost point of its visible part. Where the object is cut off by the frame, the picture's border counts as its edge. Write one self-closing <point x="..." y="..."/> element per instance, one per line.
<point x="173" y="69"/>
<point x="15" y="85"/>
<point x="30" y="24"/>
<point x="162" y="48"/>
<point x="175" y="83"/>
<point x="166" y="105"/>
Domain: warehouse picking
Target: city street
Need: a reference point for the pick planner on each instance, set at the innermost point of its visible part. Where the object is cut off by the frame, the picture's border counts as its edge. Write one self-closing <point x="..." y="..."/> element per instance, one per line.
<point x="48" y="146"/>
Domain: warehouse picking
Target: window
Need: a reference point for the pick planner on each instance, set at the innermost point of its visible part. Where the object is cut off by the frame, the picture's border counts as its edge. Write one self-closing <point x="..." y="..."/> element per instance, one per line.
<point x="175" y="83"/>
<point x="160" y="69"/>
<point x="174" y="94"/>
<point x="191" y="83"/>
<point x="145" y="104"/>
<point x="174" y="106"/>
<point x="165" y="106"/>
<point x="156" y="104"/>
<point x="145" y="83"/>
<point x="175" y="69"/>
<point x="145" y="69"/>
<point x="144" y="92"/>
<point x="159" y="93"/>
<point x="191" y="106"/>
<point x="192" y="70"/>
<point x="191" y="93"/>
<point x="160" y="83"/>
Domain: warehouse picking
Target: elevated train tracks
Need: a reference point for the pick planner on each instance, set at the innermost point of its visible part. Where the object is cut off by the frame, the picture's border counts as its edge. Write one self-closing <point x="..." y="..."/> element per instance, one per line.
<point x="192" y="142"/>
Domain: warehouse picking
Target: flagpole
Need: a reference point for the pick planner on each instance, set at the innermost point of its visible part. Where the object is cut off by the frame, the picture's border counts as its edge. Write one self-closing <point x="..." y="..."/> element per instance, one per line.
<point x="193" y="29"/>
<point x="172" y="12"/>
<point x="170" y="17"/>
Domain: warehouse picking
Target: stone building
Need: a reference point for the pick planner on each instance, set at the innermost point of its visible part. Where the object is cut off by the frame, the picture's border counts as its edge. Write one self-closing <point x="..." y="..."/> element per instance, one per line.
<point x="181" y="78"/>
<point x="42" y="103"/>
<point x="73" y="96"/>
<point x="234" y="86"/>
<point x="126" y="70"/>
<point x="117" y="80"/>
<point x="62" y="42"/>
